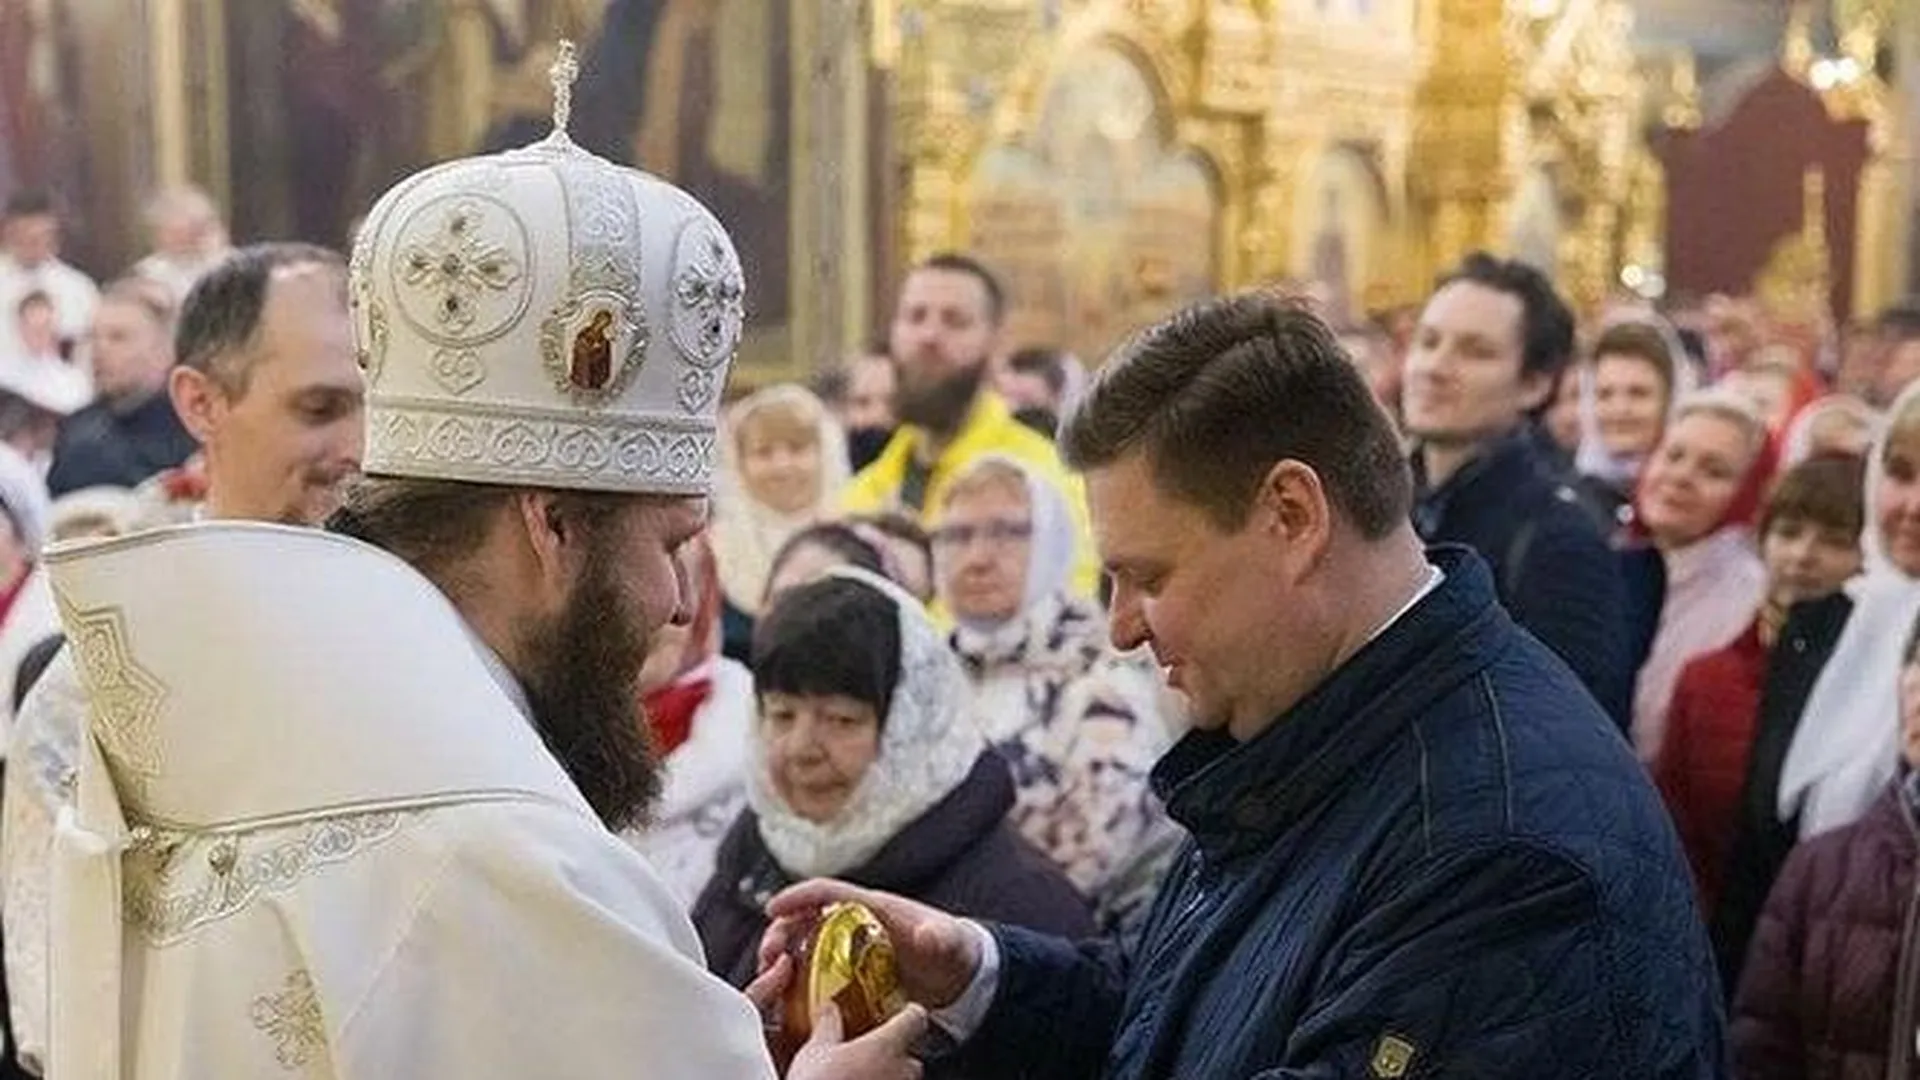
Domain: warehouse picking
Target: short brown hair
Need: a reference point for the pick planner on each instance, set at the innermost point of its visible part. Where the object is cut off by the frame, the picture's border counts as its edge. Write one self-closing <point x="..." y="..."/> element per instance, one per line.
<point x="220" y="318"/>
<point x="1219" y="393"/>
<point x="1639" y="341"/>
<point x="1828" y="490"/>
<point x="983" y="472"/>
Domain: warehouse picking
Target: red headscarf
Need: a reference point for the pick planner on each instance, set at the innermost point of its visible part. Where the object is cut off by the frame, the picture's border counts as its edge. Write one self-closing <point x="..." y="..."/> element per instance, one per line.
<point x="671" y="707"/>
<point x="1748" y="500"/>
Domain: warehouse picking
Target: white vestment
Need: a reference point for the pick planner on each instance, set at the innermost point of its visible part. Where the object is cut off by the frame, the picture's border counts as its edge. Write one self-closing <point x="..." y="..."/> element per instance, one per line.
<point x="40" y="774"/>
<point x="312" y="835"/>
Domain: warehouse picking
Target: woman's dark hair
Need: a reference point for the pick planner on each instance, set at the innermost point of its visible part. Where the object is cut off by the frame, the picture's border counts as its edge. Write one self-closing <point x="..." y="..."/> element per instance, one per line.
<point x="1827" y="490"/>
<point x="831" y="636"/>
<point x="835" y="537"/>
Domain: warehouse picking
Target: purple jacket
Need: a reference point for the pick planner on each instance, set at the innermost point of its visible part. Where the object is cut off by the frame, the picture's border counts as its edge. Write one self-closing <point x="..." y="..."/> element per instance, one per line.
<point x="1828" y="990"/>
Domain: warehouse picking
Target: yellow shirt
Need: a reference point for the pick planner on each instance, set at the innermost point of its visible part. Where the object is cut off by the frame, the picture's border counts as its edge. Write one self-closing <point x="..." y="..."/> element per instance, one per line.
<point x="990" y="429"/>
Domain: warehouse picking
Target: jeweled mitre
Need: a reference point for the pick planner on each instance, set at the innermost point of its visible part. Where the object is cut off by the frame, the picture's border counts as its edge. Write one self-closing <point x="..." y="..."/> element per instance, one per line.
<point x="544" y="317"/>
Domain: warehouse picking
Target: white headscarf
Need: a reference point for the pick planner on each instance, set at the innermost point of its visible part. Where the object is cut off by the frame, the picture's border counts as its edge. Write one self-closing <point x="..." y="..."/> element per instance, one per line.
<point x="1847" y="745"/>
<point x="1049" y="556"/>
<point x="1593" y="458"/>
<point x="747" y="533"/>
<point x="928" y="744"/>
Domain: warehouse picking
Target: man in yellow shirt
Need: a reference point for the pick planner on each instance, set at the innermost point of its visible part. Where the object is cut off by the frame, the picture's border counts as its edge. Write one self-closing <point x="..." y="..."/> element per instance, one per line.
<point x="948" y="329"/>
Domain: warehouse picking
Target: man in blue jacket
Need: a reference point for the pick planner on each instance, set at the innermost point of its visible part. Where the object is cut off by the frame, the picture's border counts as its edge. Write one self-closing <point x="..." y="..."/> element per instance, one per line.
<point x="1492" y="343"/>
<point x="1419" y="849"/>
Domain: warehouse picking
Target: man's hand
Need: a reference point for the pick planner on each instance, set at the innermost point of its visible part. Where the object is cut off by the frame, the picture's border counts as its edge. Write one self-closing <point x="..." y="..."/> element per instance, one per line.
<point x="885" y="1053"/>
<point x="937" y="954"/>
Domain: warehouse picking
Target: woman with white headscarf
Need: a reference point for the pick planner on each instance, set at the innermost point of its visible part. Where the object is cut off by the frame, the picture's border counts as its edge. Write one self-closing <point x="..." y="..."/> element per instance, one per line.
<point x="864" y="764"/>
<point x="1844" y="750"/>
<point x="1628" y="394"/>
<point x="1080" y="724"/>
<point x="783" y="462"/>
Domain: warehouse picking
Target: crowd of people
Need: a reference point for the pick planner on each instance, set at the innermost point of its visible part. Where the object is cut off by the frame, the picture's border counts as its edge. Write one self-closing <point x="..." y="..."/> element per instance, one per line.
<point x="917" y="652"/>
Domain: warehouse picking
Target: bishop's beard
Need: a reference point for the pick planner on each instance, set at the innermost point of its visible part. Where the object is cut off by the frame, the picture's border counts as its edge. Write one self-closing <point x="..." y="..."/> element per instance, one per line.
<point x="938" y="403"/>
<point x="582" y="690"/>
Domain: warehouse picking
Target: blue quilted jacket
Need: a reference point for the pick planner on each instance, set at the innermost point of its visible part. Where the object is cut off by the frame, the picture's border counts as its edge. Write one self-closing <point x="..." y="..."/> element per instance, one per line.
<point x="1445" y="862"/>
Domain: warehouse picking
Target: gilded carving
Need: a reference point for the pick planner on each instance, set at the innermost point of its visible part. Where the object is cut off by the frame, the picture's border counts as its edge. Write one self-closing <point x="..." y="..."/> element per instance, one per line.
<point x="1794" y="283"/>
<point x="1236" y="68"/>
<point x="963" y="120"/>
<point x="1258" y="92"/>
<point x="1562" y="92"/>
<point x="1104" y="219"/>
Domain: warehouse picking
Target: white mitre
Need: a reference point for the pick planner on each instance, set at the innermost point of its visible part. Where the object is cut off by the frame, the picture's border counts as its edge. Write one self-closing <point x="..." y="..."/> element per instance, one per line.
<point x="545" y="318"/>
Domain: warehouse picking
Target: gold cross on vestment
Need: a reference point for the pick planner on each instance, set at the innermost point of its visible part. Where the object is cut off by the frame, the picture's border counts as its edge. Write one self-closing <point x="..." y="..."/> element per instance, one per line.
<point x="563" y="72"/>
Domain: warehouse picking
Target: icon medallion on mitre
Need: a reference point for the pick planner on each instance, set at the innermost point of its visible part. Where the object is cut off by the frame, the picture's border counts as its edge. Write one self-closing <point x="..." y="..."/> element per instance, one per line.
<point x="544" y="317"/>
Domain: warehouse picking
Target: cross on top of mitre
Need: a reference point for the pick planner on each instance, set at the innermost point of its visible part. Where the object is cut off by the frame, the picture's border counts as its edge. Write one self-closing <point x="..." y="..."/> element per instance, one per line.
<point x="563" y="72"/>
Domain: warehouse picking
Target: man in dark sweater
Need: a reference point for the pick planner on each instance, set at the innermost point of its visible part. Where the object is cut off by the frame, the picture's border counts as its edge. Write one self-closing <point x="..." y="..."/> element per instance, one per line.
<point x="131" y="431"/>
<point x="1485" y="357"/>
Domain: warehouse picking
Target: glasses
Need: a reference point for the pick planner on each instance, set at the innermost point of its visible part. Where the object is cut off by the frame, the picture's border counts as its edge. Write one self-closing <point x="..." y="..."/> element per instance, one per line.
<point x="996" y="533"/>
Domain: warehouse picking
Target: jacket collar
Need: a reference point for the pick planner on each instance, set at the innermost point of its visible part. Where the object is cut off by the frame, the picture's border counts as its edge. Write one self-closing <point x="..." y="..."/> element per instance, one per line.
<point x="1235" y="797"/>
<point x="1501" y="463"/>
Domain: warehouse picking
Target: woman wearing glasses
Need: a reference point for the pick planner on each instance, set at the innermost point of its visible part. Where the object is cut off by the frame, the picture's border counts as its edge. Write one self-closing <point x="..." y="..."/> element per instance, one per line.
<point x="1080" y="725"/>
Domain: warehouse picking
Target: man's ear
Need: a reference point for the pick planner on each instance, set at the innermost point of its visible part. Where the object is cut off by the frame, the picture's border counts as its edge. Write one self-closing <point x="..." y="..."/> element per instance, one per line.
<point x="549" y="533"/>
<point x="195" y="398"/>
<point x="1292" y="505"/>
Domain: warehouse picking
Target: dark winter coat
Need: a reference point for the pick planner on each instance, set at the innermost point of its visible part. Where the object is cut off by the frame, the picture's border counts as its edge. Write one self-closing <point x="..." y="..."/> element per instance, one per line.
<point x="1828" y="992"/>
<point x="102" y="446"/>
<point x="1551" y="566"/>
<point x="1443" y="862"/>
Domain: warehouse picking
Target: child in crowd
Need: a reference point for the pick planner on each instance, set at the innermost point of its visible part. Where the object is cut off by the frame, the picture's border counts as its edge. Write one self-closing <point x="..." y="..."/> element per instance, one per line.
<point x="1810" y="542"/>
<point x="1831" y="987"/>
